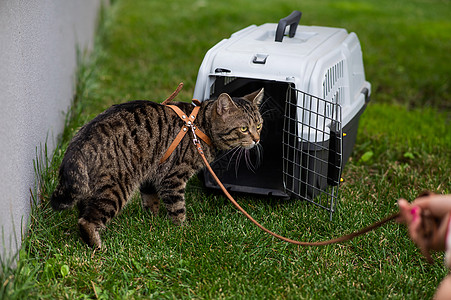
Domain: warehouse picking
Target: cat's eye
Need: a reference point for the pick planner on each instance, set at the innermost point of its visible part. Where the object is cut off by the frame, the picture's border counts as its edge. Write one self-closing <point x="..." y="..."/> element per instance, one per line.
<point x="259" y="126"/>
<point x="244" y="129"/>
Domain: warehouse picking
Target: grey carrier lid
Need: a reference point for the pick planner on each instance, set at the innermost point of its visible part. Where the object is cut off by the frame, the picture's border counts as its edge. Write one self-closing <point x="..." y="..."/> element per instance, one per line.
<point x="322" y="61"/>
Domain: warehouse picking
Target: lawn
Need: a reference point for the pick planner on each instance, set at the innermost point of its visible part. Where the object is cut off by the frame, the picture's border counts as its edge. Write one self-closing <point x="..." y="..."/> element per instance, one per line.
<point x="143" y="50"/>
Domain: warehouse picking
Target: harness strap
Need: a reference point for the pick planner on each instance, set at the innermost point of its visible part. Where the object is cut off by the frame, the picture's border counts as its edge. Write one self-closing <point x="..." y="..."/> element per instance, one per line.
<point x="189" y="123"/>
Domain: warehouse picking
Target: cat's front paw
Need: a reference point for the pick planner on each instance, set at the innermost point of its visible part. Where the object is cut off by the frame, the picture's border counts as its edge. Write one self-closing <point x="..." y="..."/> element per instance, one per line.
<point x="90" y="233"/>
<point x="179" y="219"/>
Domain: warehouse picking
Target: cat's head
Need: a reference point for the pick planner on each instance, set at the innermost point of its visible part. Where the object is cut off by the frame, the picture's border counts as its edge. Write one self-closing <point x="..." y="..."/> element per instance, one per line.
<point x="237" y="122"/>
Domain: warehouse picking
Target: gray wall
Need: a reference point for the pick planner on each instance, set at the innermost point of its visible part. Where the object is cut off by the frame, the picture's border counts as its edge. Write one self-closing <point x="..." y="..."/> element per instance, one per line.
<point x="38" y="43"/>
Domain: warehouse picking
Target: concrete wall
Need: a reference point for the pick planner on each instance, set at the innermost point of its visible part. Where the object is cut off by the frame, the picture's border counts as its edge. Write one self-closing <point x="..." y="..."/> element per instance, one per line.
<point x="38" y="43"/>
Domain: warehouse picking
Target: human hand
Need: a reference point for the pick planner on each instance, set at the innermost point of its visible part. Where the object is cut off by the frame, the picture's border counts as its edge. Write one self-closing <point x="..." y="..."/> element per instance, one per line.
<point x="427" y="220"/>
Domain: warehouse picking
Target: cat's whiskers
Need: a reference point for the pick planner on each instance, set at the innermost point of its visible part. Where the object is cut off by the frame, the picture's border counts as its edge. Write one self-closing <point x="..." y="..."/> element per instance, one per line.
<point x="237" y="154"/>
<point x="235" y="151"/>
<point x="225" y="153"/>
<point x="251" y="164"/>
<point x="248" y="161"/>
<point x="259" y="154"/>
<point x="268" y="111"/>
<point x="238" y="159"/>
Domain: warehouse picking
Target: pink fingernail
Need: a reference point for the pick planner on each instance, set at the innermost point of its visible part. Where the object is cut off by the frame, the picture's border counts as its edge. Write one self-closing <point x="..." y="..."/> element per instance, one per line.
<point x="414" y="211"/>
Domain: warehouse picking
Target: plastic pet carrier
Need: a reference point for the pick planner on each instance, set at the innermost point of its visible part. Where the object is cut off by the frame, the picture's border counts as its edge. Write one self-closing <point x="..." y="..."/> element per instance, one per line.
<point x="315" y="92"/>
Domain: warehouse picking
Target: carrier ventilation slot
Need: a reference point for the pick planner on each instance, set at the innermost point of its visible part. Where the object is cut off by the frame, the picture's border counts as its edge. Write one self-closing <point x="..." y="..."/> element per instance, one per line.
<point x="228" y="80"/>
<point x="333" y="89"/>
<point x="220" y="84"/>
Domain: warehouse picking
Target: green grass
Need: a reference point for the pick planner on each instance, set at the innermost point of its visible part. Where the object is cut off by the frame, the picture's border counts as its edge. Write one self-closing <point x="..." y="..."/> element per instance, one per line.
<point x="144" y="49"/>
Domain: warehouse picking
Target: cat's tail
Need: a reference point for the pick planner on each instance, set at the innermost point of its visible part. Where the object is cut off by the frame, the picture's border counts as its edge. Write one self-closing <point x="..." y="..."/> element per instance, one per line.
<point x="62" y="198"/>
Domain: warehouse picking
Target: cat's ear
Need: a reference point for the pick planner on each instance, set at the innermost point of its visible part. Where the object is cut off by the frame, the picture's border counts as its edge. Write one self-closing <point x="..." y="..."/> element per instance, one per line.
<point x="224" y="104"/>
<point x="256" y="97"/>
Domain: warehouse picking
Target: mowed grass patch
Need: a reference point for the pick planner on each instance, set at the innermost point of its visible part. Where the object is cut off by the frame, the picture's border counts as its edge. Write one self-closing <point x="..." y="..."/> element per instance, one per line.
<point x="220" y="254"/>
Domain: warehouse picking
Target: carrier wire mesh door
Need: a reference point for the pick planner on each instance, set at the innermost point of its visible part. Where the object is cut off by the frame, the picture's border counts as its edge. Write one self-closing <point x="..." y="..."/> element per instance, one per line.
<point x="312" y="148"/>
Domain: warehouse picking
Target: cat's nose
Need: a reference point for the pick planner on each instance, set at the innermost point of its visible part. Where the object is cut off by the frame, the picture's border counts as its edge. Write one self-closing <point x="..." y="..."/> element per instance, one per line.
<point x="255" y="137"/>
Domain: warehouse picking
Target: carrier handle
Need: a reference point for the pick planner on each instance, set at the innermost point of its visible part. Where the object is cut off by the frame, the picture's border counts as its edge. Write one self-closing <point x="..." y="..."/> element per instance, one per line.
<point x="292" y="20"/>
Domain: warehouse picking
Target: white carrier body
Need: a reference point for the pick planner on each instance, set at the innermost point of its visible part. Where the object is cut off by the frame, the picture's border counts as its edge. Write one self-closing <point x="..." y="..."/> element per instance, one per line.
<point x="315" y="92"/>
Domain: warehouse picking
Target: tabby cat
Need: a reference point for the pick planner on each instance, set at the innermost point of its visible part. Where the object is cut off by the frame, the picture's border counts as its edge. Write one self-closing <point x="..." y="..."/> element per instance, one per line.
<point x="120" y="150"/>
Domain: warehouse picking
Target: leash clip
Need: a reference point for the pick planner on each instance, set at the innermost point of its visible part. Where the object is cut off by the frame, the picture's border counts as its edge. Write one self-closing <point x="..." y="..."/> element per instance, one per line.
<point x="196" y="140"/>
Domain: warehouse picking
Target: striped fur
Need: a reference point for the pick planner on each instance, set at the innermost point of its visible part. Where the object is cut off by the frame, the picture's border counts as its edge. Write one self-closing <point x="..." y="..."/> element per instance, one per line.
<point x="119" y="151"/>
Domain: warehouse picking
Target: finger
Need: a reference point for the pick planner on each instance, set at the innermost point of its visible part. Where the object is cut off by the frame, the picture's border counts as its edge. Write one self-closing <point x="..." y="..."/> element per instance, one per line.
<point x="404" y="211"/>
<point x="414" y="226"/>
<point x="438" y="205"/>
<point x="439" y="238"/>
<point x="423" y="202"/>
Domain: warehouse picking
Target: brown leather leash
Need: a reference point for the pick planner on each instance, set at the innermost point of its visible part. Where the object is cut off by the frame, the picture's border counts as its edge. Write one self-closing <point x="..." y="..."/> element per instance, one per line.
<point x="321" y="243"/>
<point x="174" y="94"/>
<point x="189" y="124"/>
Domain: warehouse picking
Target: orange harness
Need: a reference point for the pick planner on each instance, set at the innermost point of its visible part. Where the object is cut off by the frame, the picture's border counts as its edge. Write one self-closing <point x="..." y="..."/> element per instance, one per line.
<point x="189" y="124"/>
